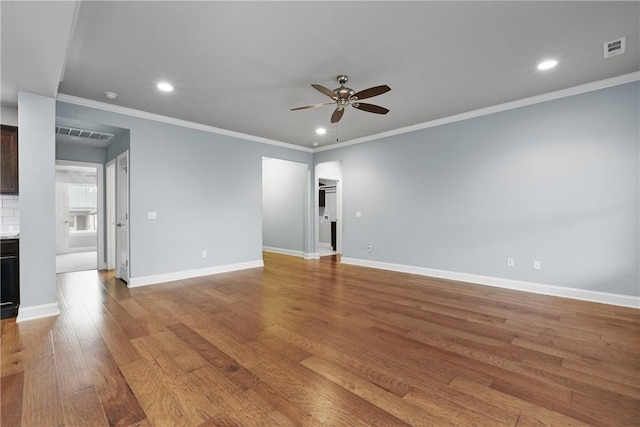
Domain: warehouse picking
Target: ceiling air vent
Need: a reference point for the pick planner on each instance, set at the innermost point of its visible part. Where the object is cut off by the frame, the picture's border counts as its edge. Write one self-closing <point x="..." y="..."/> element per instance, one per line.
<point x="82" y="133"/>
<point x="614" y="47"/>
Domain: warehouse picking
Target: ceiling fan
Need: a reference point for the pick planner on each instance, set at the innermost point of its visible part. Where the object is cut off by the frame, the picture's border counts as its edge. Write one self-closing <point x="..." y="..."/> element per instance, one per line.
<point x="344" y="96"/>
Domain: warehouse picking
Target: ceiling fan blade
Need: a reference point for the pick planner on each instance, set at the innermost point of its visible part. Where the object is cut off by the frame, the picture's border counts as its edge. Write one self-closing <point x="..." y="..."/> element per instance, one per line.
<point x="370" y="108"/>
<point x="331" y="94"/>
<point x="312" y="106"/>
<point x="337" y="115"/>
<point x="372" y="91"/>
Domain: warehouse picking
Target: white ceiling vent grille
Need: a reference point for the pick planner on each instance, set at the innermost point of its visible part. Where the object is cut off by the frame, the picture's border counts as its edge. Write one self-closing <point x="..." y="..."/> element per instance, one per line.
<point x="614" y="47"/>
<point x="86" y="134"/>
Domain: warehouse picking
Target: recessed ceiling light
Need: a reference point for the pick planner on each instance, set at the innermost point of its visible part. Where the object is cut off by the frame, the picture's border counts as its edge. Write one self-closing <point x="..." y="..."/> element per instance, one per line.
<point x="111" y="95"/>
<point x="321" y="131"/>
<point x="547" y="64"/>
<point x="165" y="87"/>
<point x="315" y="143"/>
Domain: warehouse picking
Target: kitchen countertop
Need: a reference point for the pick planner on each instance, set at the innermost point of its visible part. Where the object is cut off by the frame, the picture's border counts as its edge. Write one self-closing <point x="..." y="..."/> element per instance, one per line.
<point x="5" y="235"/>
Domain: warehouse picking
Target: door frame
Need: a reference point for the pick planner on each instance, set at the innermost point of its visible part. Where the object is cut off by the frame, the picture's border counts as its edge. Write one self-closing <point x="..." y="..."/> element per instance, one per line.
<point x="125" y="154"/>
<point x="334" y="176"/>
<point x="110" y="223"/>
<point x="99" y="167"/>
<point x="62" y="213"/>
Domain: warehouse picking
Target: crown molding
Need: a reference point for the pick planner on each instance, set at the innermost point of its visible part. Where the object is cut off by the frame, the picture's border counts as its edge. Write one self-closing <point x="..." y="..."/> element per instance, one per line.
<point x="563" y="93"/>
<point x="550" y="96"/>
<point x="70" y="99"/>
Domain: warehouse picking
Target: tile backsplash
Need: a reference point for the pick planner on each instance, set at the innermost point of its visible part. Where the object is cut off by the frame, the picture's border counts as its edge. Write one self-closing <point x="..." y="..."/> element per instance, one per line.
<point x="9" y="212"/>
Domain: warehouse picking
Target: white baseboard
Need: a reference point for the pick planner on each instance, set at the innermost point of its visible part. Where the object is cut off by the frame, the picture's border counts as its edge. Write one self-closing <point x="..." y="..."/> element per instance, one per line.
<point x="78" y="249"/>
<point x="283" y="251"/>
<point x="135" y="282"/>
<point x="305" y="255"/>
<point x="536" y="288"/>
<point x="37" y="311"/>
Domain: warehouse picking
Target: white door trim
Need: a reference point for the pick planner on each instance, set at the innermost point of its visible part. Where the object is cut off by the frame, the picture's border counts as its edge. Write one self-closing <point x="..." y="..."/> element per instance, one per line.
<point x="110" y="209"/>
<point x="118" y="272"/>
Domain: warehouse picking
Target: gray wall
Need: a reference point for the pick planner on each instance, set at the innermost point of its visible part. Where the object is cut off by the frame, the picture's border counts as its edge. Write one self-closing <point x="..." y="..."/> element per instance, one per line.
<point x="80" y="153"/>
<point x="36" y="156"/>
<point x="557" y="182"/>
<point x="9" y="116"/>
<point x="284" y="194"/>
<point x="118" y="146"/>
<point x="206" y="189"/>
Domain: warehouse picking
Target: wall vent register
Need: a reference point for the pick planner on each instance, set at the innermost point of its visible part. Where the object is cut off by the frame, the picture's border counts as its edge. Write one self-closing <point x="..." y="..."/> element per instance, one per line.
<point x="83" y="133"/>
<point x="614" y="47"/>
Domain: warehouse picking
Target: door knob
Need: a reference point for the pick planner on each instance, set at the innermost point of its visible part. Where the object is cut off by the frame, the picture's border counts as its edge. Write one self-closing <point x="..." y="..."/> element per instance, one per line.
<point x="119" y="224"/>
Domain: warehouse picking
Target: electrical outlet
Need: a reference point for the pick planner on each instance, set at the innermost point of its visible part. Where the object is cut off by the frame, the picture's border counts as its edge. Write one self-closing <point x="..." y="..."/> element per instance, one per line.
<point x="510" y="262"/>
<point x="536" y="264"/>
<point x="204" y="254"/>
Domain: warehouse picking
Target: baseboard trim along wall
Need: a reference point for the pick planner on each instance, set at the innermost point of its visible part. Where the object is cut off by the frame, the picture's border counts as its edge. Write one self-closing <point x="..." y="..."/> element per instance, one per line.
<point x="305" y="255"/>
<point x="537" y="288"/>
<point x="283" y="251"/>
<point x="135" y="282"/>
<point x="37" y="311"/>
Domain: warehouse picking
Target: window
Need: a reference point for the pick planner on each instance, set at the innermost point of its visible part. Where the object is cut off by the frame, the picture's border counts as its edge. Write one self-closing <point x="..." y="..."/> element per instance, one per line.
<point x="83" y="208"/>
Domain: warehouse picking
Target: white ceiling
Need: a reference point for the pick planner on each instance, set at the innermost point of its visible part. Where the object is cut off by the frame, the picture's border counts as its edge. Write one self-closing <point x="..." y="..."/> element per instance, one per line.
<point x="241" y="66"/>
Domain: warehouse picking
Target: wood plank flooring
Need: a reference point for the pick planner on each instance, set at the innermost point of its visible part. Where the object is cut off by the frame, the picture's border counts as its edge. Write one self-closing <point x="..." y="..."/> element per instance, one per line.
<point x="317" y="343"/>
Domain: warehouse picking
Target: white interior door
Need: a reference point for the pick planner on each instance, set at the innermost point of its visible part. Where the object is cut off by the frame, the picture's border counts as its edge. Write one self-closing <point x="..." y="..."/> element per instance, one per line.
<point x="62" y="218"/>
<point x="111" y="215"/>
<point x="122" y="216"/>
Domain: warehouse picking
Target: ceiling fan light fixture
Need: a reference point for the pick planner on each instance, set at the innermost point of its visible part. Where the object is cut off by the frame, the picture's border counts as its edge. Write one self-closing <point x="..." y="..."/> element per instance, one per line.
<point x="165" y="86"/>
<point x="547" y="64"/>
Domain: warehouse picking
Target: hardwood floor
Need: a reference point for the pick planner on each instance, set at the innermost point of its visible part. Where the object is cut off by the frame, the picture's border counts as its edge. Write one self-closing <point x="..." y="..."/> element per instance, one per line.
<point x="317" y="343"/>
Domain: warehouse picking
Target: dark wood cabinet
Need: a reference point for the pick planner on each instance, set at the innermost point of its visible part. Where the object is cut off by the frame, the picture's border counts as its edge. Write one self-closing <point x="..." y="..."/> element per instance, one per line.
<point x="10" y="277"/>
<point x="9" y="159"/>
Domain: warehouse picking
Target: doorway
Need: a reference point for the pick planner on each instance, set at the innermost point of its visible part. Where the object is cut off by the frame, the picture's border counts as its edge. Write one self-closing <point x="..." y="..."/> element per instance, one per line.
<point x="285" y="201"/>
<point x="328" y="211"/>
<point x="79" y="216"/>
<point x="328" y="217"/>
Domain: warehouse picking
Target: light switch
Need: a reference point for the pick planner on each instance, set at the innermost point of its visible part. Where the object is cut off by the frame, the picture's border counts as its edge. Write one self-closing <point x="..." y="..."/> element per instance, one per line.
<point x="152" y="215"/>
<point x="358" y="214"/>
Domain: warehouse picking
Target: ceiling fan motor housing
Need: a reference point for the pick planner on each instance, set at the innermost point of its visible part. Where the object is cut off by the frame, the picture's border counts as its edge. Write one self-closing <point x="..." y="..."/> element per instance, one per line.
<point x="343" y="93"/>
